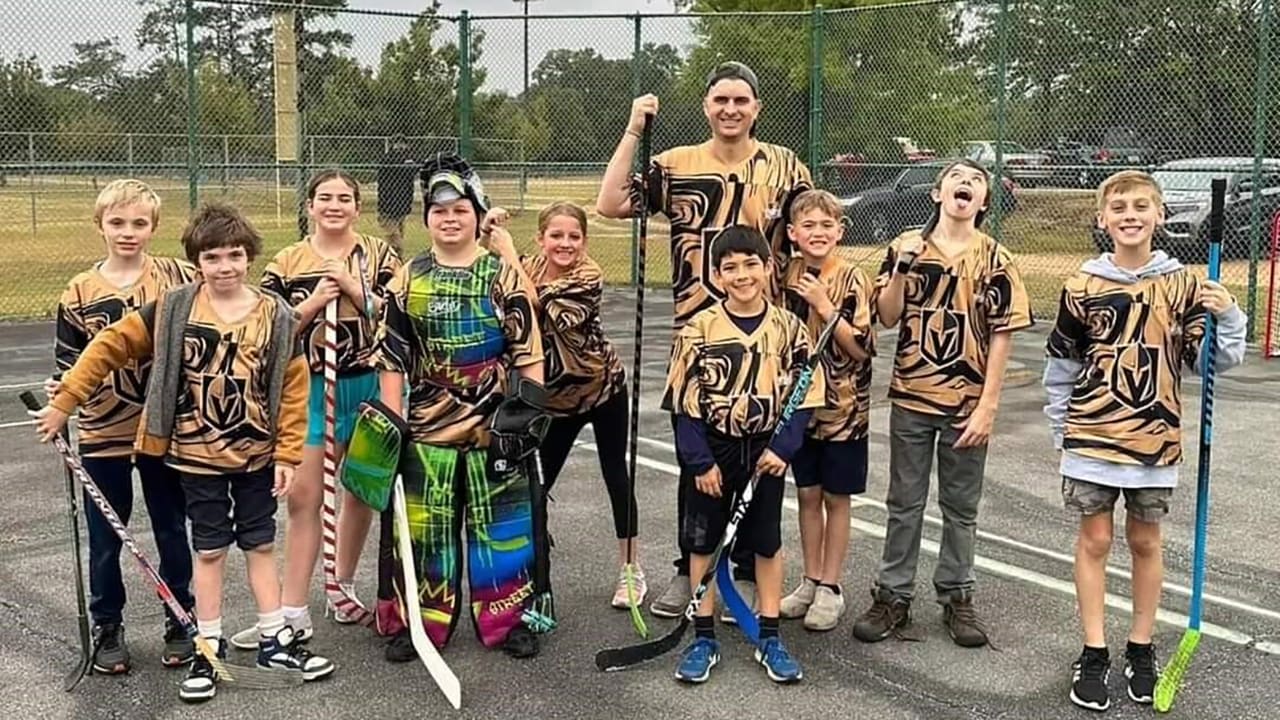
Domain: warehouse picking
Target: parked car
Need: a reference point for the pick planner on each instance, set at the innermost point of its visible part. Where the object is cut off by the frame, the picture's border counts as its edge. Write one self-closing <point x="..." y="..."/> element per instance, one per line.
<point x="1086" y="161"/>
<point x="877" y="215"/>
<point x="1186" y="185"/>
<point x="1024" y="166"/>
<point x="854" y="171"/>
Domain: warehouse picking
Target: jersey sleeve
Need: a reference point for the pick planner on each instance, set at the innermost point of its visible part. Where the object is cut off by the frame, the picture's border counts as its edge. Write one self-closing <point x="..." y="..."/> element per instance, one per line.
<point x="856" y="310"/>
<point x="71" y="336"/>
<point x="683" y="394"/>
<point x="1194" y="321"/>
<point x="389" y="264"/>
<point x="273" y="276"/>
<point x="524" y="341"/>
<point x="111" y="349"/>
<point x="1069" y="337"/>
<point x="651" y="187"/>
<point x="801" y="350"/>
<point x="1007" y="304"/>
<point x="393" y="344"/>
<point x="571" y="301"/>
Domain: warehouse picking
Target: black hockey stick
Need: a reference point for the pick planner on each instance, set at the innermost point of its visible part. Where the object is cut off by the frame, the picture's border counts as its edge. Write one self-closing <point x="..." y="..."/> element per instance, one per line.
<point x="624" y="657"/>
<point x="85" y="664"/>
<point x="248" y="677"/>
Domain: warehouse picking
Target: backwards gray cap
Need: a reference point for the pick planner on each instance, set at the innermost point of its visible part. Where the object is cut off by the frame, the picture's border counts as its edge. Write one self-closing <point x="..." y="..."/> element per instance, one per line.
<point x="733" y="71"/>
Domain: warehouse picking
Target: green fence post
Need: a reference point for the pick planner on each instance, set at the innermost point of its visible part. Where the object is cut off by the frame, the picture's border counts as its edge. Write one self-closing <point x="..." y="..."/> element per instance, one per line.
<point x="1257" y="224"/>
<point x="464" y="85"/>
<point x="193" y="161"/>
<point x="1002" y="84"/>
<point x="304" y="166"/>
<point x="636" y="88"/>
<point x="816" y="30"/>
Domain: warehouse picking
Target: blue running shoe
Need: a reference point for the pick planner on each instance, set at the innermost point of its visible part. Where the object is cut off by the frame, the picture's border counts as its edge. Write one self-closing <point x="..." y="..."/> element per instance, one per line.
<point x="697" y="661"/>
<point x="773" y="655"/>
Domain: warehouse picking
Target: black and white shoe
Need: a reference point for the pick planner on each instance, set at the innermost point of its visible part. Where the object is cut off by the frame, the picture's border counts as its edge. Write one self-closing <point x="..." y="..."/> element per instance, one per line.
<point x="1089" y="676"/>
<point x="1142" y="671"/>
<point x="283" y="651"/>
<point x="201" y="682"/>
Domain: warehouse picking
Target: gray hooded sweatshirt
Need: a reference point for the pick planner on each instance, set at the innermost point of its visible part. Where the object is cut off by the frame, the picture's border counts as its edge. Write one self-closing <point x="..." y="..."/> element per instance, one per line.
<point x="1061" y="374"/>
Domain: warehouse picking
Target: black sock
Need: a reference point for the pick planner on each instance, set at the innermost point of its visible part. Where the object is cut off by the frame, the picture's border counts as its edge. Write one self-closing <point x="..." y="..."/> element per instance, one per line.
<point x="1103" y="651"/>
<point x="1132" y="647"/>
<point x="704" y="626"/>
<point x="815" y="581"/>
<point x="830" y="586"/>
<point x="768" y="627"/>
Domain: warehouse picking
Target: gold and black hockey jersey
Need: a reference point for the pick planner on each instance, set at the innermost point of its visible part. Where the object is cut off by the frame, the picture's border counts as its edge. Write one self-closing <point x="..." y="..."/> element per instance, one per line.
<point x="738" y="383"/>
<point x="583" y="368"/>
<point x="846" y="410"/>
<point x="108" y="420"/>
<point x="953" y="305"/>
<point x="293" y="274"/>
<point x="701" y="196"/>
<point x="1132" y="340"/>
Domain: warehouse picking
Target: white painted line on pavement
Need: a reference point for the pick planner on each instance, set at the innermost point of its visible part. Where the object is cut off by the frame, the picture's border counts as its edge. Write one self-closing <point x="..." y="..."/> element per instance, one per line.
<point x="22" y="386"/>
<point x="1014" y="572"/>
<point x="1051" y="554"/>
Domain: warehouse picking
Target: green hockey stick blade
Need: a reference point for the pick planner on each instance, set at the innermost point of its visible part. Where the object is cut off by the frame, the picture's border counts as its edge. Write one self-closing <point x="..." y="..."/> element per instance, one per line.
<point x="637" y="620"/>
<point x="1174" y="673"/>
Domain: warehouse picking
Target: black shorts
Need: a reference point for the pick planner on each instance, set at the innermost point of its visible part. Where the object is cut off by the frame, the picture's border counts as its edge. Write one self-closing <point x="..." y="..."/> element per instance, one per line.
<point x="235" y="507"/>
<point x="706" y="517"/>
<point x="838" y="466"/>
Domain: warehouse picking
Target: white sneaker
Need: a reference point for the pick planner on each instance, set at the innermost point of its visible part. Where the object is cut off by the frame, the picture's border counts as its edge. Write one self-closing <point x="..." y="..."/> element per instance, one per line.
<point x="824" y="613"/>
<point x="621" y="600"/>
<point x="797" y="603"/>
<point x="247" y="639"/>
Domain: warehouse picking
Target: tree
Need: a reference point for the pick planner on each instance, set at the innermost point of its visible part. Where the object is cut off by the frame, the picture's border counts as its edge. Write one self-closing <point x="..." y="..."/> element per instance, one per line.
<point x="26" y="106"/>
<point x="96" y="69"/>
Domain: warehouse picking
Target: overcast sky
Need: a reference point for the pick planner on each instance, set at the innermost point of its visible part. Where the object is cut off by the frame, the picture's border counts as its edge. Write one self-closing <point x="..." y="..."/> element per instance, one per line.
<point x="27" y="27"/>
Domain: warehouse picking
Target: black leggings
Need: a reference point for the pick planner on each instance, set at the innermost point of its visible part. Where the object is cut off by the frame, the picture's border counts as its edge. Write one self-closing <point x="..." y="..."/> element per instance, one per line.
<point x="609" y="421"/>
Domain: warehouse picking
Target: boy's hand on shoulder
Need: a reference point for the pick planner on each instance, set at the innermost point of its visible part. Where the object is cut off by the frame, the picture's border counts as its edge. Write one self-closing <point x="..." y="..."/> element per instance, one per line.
<point x="814" y="292"/>
<point x="708" y="482"/>
<point x="770" y="464"/>
<point x="284" y="480"/>
<point x="1215" y="297"/>
<point x="976" y="429"/>
<point x="49" y="420"/>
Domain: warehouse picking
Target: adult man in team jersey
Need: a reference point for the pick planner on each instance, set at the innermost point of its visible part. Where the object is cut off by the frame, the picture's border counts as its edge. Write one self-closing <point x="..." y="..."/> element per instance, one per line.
<point x="731" y="179"/>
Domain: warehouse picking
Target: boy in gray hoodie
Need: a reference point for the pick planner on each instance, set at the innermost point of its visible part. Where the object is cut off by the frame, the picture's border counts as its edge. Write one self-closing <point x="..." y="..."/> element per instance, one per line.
<point x="1127" y="323"/>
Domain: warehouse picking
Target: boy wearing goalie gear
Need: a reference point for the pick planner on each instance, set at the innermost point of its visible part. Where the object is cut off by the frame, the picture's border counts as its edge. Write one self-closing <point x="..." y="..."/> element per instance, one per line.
<point x="457" y="324"/>
<point x="1128" y="322"/>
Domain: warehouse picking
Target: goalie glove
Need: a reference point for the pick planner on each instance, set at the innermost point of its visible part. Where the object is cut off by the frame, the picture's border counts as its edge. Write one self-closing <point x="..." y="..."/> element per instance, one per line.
<point x="520" y="422"/>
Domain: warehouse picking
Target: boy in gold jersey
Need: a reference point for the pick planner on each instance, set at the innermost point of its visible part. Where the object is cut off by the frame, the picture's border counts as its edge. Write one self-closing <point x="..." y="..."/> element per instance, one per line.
<point x="955" y="296"/>
<point x="226" y="408"/>
<point x="126" y="215"/>
<point x="732" y="369"/>
<point x="731" y="179"/>
<point x="1128" y="322"/>
<point x="831" y="465"/>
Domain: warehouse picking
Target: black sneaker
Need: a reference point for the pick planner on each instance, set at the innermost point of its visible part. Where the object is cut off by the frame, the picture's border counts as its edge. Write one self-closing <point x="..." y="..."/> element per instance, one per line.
<point x="201" y="682"/>
<point x="963" y="624"/>
<point x="886" y="616"/>
<point x="178" y="646"/>
<point x="284" y="652"/>
<point x="1141" y="669"/>
<point x="110" y="654"/>
<point x="1089" y="675"/>
<point x="400" y="648"/>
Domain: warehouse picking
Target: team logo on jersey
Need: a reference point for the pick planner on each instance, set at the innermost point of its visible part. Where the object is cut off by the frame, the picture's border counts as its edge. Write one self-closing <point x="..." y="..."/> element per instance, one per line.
<point x="1135" y="373"/>
<point x="942" y="335"/>
<point x="130" y="384"/>
<point x="225" y="398"/>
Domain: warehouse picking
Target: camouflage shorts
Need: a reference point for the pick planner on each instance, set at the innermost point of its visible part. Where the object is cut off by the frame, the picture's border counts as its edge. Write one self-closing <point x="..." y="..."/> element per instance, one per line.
<point x="1148" y="505"/>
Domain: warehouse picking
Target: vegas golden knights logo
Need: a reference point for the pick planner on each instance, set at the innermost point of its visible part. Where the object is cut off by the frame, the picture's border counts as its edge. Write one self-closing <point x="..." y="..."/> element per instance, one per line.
<point x="1135" y="374"/>
<point x="225" y="395"/>
<point x="941" y="335"/>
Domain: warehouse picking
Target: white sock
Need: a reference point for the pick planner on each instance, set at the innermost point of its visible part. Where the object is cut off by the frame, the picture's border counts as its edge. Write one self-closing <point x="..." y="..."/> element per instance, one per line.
<point x="293" y="613"/>
<point x="271" y="623"/>
<point x="210" y="629"/>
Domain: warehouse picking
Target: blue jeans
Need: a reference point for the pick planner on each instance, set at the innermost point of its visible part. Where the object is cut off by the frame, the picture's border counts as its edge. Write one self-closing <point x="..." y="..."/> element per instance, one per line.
<point x="162" y="492"/>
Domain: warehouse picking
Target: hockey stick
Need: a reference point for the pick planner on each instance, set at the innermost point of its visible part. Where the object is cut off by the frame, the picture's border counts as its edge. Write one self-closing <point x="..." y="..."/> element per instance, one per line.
<point x="642" y="232"/>
<point x="624" y="657"/>
<point x="249" y="677"/>
<point x="85" y="664"/>
<point x="427" y="652"/>
<point x="1173" y="675"/>
<point x="343" y="602"/>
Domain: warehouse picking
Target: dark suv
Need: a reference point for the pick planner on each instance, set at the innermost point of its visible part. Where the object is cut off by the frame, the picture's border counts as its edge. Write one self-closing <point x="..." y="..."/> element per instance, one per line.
<point x="1085" y="164"/>
<point x="879" y="214"/>
<point x="1186" y="186"/>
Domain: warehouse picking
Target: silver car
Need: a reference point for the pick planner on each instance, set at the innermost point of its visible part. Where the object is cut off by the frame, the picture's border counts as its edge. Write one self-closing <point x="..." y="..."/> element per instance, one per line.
<point x="1024" y="166"/>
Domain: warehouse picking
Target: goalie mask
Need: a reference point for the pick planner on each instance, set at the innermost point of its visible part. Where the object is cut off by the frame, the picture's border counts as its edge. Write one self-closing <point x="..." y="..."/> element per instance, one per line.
<point x="446" y="178"/>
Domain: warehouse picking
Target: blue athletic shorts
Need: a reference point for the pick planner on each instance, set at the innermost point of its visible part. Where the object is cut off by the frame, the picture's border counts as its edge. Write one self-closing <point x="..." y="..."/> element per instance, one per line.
<point x="352" y="390"/>
<point x="839" y="466"/>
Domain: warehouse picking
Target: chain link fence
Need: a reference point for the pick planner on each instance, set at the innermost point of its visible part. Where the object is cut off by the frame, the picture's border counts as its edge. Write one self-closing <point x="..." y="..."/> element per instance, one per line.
<point x="1052" y="96"/>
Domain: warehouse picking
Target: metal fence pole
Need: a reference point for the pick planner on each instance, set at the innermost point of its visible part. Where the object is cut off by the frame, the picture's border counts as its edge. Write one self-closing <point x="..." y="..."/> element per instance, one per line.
<point x="1002" y="83"/>
<point x="300" y="192"/>
<point x="464" y="84"/>
<point x="637" y="87"/>
<point x="31" y="178"/>
<point x="816" y="31"/>
<point x="193" y="160"/>
<point x="1261" y="106"/>
<point x="226" y="161"/>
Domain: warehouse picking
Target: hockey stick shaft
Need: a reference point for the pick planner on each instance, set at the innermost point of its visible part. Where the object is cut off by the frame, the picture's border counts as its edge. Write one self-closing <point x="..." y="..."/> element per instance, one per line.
<point x="618" y="658"/>
<point x="427" y="652"/>
<point x="337" y="595"/>
<point x="1173" y="675"/>
<point x="85" y="662"/>
<point x="258" y="678"/>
